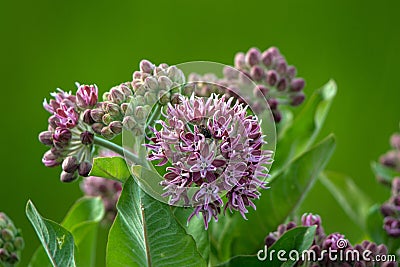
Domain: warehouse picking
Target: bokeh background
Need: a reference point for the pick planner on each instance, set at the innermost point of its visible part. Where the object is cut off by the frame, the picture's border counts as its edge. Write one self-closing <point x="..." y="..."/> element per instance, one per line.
<point x="50" y="44"/>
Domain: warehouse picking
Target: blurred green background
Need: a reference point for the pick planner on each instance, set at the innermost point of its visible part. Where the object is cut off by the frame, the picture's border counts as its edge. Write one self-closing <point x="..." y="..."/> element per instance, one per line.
<point x="50" y="44"/>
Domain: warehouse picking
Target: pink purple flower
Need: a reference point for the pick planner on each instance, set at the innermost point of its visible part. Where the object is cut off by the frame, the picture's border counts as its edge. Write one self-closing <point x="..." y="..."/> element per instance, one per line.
<point x="214" y="146"/>
<point x="86" y="96"/>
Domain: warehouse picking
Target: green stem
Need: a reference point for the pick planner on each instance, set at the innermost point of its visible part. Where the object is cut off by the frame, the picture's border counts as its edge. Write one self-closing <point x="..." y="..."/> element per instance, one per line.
<point x="117" y="149"/>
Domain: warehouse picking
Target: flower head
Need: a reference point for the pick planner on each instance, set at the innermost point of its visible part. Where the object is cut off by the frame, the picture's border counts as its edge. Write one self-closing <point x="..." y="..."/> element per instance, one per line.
<point x="11" y="242"/>
<point x="274" y="78"/>
<point x="215" y="147"/>
<point x="70" y="138"/>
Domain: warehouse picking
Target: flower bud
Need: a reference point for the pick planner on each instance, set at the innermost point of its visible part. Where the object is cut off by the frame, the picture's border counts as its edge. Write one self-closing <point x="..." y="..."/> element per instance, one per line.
<point x="291" y="72"/>
<point x="175" y="74"/>
<point x="50" y="159"/>
<point x="396" y="186"/>
<point x="297" y="85"/>
<point x="282" y="84"/>
<point x="124" y="108"/>
<point x="7" y="235"/>
<point x="87" y="138"/>
<point x="129" y="123"/>
<point x="274" y="51"/>
<point x="106" y="96"/>
<point x="107" y="119"/>
<point x="392" y="226"/>
<point x="257" y="73"/>
<point x="112" y="109"/>
<point x="150" y="98"/>
<point x="62" y="135"/>
<point x="19" y="243"/>
<point x="165" y="83"/>
<point x="146" y="66"/>
<point x="126" y="89"/>
<point x="151" y="83"/>
<point x="395" y="141"/>
<point x="46" y="138"/>
<point x="136" y="75"/>
<point x="252" y="57"/>
<point x="67" y="177"/>
<point x="240" y="61"/>
<point x="277" y="115"/>
<point x="96" y="114"/>
<point x="116" y="96"/>
<point x="116" y="127"/>
<point x="159" y="71"/>
<point x="281" y="66"/>
<point x="70" y="164"/>
<point x="107" y="133"/>
<point x="96" y="127"/>
<point x="272" y="77"/>
<point x="86" y="96"/>
<point x="140" y="113"/>
<point x="297" y="99"/>
<point x="266" y="58"/>
<point x="84" y="168"/>
<point x="87" y="118"/>
<point x="388" y="210"/>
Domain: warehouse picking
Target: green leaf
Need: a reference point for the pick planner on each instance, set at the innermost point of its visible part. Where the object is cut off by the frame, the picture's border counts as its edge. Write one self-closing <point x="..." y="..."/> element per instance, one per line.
<point x="56" y="240"/>
<point x="305" y="127"/>
<point x="82" y="222"/>
<point x="146" y="233"/>
<point x="385" y="173"/>
<point x="111" y="168"/>
<point x="352" y="200"/>
<point x="195" y="228"/>
<point x="287" y="192"/>
<point x="297" y="239"/>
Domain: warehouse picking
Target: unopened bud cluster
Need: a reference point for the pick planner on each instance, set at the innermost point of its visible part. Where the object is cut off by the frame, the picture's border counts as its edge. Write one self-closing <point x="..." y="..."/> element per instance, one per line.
<point x="69" y="138"/>
<point x="106" y="118"/>
<point x="391" y="211"/>
<point x="153" y="85"/>
<point x="274" y="78"/>
<point x="11" y="242"/>
<point x="128" y="104"/>
<point x="331" y="242"/>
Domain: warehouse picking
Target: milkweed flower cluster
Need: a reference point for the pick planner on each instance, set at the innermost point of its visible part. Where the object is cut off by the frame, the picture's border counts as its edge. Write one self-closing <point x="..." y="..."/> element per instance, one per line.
<point x="213" y="146"/>
<point x="334" y="241"/>
<point x="269" y="70"/>
<point x="70" y="139"/>
<point x="391" y="211"/>
<point x="109" y="190"/>
<point x="11" y="242"/>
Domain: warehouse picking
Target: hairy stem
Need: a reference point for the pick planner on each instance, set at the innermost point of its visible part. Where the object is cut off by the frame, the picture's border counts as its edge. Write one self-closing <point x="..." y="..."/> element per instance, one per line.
<point x="118" y="149"/>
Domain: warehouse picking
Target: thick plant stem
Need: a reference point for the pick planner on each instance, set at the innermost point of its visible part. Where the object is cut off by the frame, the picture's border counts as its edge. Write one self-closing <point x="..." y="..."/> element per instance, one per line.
<point x="118" y="149"/>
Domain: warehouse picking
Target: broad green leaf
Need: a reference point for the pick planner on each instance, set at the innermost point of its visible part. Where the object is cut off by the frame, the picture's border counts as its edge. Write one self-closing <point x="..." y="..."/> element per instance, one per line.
<point x="352" y="200"/>
<point x="195" y="228"/>
<point x="287" y="192"/>
<point x="56" y="240"/>
<point x="82" y="221"/>
<point x="111" y="168"/>
<point x="146" y="233"/>
<point x="384" y="173"/>
<point x="293" y="242"/>
<point x="305" y="127"/>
